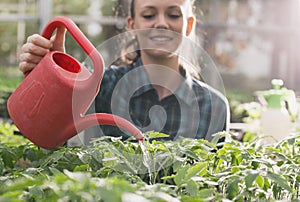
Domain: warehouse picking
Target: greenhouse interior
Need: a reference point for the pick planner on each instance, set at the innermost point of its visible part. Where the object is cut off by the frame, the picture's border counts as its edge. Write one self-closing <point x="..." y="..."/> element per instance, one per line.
<point x="231" y="134"/>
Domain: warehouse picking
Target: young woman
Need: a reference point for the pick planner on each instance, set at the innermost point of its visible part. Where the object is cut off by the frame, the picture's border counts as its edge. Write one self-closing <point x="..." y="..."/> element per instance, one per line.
<point x="156" y="91"/>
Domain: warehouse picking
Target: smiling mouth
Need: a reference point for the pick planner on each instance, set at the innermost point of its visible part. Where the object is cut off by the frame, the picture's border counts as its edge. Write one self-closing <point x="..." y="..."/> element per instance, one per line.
<point x="161" y="38"/>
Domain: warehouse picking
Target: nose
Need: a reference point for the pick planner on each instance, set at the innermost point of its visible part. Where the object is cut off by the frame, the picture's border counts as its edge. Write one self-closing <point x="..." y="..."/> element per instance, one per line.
<point x="161" y="22"/>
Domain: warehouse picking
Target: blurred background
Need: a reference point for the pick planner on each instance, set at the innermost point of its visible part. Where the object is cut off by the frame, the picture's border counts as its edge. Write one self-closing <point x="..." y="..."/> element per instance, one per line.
<point x="250" y="41"/>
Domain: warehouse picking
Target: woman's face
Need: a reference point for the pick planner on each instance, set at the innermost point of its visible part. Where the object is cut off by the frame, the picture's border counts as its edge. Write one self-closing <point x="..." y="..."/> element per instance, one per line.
<point x="160" y="25"/>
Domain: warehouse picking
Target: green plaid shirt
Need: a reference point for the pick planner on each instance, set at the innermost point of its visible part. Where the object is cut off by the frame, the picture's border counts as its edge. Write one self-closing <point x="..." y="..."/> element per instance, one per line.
<point x="194" y="110"/>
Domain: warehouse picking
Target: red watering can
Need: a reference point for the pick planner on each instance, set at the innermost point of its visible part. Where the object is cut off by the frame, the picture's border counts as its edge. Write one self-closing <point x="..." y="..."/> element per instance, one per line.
<point x="49" y="105"/>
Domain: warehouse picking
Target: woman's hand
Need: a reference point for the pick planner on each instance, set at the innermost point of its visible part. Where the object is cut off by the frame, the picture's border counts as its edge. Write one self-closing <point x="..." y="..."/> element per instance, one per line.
<point x="37" y="47"/>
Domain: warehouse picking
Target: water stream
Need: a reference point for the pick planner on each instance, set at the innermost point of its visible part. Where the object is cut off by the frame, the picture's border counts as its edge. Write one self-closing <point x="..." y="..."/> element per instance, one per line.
<point x="147" y="161"/>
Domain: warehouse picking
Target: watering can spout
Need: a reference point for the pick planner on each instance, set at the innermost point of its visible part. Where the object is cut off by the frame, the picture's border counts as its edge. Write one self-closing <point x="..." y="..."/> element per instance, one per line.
<point x="90" y="120"/>
<point x="87" y="121"/>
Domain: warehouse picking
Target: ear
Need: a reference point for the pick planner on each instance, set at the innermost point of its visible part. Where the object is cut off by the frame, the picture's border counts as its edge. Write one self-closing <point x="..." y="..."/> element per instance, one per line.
<point x="190" y="25"/>
<point x="130" y="23"/>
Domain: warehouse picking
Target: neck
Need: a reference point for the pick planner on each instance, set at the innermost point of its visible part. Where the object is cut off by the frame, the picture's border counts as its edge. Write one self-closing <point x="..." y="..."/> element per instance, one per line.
<point x="171" y="62"/>
<point x="163" y="74"/>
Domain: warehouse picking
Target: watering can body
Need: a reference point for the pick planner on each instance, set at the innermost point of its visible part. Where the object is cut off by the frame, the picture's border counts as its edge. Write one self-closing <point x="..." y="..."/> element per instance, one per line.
<point x="278" y="112"/>
<point x="49" y="105"/>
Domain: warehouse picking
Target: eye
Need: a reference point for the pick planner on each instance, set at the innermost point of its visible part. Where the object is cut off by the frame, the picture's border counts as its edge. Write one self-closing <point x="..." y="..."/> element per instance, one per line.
<point x="148" y="16"/>
<point x="174" y="12"/>
<point x="174" y="16"/>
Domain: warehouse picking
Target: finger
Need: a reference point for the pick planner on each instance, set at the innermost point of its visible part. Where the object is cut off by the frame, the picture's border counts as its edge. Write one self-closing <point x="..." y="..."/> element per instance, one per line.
<point x="26" y="67"/>
<point x="34" y="49"/>
<point x="59" y="39"/>
<point x="30" y="58"/>
<point x="40" y="41"/>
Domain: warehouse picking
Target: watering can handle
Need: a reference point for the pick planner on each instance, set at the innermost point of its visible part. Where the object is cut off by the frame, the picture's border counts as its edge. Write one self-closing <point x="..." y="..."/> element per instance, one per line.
<point x="80" y="38"/>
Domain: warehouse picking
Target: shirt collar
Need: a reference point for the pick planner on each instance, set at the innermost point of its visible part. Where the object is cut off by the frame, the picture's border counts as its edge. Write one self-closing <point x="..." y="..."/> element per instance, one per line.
<point x="184" y="92"/>
<point x="141" y="81"/>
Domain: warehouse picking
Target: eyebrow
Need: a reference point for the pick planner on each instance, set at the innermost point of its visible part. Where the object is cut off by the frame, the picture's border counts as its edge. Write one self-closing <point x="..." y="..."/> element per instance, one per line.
<point x="153" y="7"/>
<point x="169" y="8"/>
<point x="175" y="6"/>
